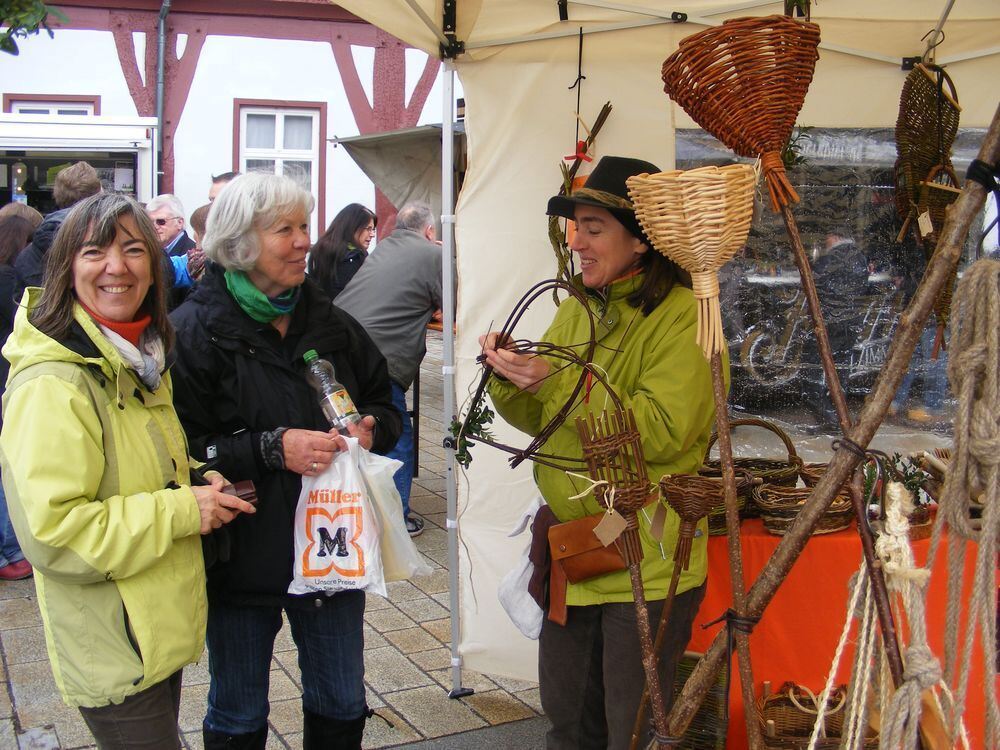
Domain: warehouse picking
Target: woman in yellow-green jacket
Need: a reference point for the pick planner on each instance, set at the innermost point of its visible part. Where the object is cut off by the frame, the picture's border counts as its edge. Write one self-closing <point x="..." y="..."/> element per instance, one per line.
<point x="96" y="472"/>
<point x="590" y="673"/>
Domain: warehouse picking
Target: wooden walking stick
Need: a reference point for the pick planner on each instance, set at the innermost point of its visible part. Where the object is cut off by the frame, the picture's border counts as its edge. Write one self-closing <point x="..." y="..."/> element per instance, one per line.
<point x="699" y="219"/>
<point x="959" y="218"/>
<point x="612" y="448"/>
<point x="691" y="497"/>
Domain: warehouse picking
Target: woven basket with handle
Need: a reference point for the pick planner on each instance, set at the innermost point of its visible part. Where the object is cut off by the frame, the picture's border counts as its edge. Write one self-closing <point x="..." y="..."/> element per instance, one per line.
<point x="925" y="131"/>
<point x="787" y="717"/>
<point x="699" y="218"/>
<point x="780" y="506"/>
<point x="767" y="470"/>
<point x="744" y="82"/>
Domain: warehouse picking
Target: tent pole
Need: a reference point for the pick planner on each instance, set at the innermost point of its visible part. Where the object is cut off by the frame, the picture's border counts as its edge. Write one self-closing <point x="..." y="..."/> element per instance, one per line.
<point x="448" y="366"/>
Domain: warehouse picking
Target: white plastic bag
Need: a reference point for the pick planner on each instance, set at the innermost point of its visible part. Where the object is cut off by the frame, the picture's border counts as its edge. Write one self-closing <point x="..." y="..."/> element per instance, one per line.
<point x="400" y="558"/>
<point x="512" y="591"/>
<point x="337" y="531"/>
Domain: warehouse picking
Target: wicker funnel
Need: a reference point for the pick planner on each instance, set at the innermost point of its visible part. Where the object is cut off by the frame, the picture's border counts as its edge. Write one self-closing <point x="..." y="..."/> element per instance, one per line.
<point x="744" y="82"/>
<point x="698" y="218"/>
<point x="691" y="497"/>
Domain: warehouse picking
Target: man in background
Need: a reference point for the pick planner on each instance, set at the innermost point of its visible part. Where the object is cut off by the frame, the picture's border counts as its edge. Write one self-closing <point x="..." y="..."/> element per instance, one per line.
<point x="393" y="296"/>
<point x="219" y="181"/>
<point x="72" y="185"/>
<point x="167" y="215"/>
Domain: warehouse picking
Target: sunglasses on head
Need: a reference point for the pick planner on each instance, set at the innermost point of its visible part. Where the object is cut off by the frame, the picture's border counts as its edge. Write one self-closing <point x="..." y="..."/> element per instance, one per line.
<point x="163" y="222"/>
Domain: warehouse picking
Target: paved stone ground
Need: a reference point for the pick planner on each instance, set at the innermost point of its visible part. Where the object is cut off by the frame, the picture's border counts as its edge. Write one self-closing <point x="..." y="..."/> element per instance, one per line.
<point x="406" y="649"/>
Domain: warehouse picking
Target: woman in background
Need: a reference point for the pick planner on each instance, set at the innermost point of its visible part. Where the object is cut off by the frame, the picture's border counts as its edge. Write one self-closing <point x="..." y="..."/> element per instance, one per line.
<point x="339" y="253"/>
<point x="15" y="233"/>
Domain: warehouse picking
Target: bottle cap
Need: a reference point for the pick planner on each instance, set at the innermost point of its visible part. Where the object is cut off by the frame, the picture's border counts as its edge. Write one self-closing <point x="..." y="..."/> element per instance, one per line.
<point x="310" y="355"/>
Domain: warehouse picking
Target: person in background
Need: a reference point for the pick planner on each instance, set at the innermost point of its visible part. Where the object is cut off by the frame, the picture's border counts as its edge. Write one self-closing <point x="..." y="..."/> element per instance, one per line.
<point x="196" y="255"/>
<point x="15" y="233"/>
<point x="394" y="296"/>
<point x="167" y="213"/>
<point x="72" y="185"/>
<point x="244" y="401"/>
<point x="219" y="181"/>
<point x="339" y="253"/>
<point x="590" y="673"/>
<point x="24" y="211"/>
<point x="97" y="477"/>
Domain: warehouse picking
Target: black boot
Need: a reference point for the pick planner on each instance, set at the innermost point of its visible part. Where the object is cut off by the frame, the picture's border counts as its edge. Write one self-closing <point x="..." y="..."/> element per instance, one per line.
<point x="322" y="733"/>
<point x="221" y="741"/>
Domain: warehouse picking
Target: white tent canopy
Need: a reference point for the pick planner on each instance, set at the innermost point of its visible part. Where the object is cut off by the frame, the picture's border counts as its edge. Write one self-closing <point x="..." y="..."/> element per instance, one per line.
<point x="518" y="65"/>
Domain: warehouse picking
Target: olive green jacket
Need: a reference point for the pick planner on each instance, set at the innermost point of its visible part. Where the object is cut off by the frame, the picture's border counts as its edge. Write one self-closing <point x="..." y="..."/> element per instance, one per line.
<point x="657" y="369"/>
<point x="88" y="453"/>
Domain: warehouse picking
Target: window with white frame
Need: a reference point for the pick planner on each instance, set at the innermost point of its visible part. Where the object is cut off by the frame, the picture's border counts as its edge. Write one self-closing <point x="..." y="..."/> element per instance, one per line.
<point x="54" y="107"/>
<point x="282" y="141"/>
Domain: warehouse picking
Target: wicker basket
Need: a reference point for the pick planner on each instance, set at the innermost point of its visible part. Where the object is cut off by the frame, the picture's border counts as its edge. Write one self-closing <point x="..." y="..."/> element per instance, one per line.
<point x="744" y="82"/>
<point x="710" y="492"/>
<point x="780" y="506"/>
<point x="708" y="727"/>
<point x="925" y="131"/>
<point x="767" y="470"/>
<point x="698" y="218"/>
<point x="787" y="717"/>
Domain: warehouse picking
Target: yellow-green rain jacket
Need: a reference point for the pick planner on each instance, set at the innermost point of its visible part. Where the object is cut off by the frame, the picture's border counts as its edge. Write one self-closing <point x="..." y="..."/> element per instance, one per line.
<point x="88" y="453"/>
<point x="658" y="370"/>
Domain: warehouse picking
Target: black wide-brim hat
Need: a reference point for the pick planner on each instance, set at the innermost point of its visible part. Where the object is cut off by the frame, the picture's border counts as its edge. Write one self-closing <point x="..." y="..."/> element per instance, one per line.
<point x="605" y="188"/>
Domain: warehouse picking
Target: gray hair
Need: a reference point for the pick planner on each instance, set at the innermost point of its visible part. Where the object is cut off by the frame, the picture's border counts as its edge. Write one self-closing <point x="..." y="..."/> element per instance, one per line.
<point x="250" y="202"/>
<point x="416" y="217"/>
<point x="166" y="200"/>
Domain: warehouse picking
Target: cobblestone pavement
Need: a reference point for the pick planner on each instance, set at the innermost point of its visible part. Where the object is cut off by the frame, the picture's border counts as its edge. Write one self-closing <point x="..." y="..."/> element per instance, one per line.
<point x="407" y="658"/>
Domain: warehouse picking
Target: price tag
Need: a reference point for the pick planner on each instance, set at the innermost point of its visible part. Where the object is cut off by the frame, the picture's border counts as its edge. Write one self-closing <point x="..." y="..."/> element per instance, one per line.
<point x="924" y="224"/>
<point x="656" y="525"/>
<point x="610" y="527"/>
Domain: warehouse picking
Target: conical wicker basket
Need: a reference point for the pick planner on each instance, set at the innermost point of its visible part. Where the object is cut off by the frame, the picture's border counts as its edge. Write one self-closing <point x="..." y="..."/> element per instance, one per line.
<point x="744" y="82"/>
<point x="699" y="218"/>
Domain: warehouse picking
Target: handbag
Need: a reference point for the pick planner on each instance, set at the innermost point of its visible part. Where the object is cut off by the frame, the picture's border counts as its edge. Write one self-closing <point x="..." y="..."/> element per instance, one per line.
<point x="577" y="555"/>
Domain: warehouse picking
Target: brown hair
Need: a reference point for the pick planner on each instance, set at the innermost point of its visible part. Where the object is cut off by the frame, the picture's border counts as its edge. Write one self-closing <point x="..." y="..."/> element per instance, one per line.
<point x="661" y="274"/>
<point x="24" y="211"/>
<point x="75" y="183"/>
<point x="96" y="220"/>
<point x="15" y="233"/>
<point x="199" y="218"/>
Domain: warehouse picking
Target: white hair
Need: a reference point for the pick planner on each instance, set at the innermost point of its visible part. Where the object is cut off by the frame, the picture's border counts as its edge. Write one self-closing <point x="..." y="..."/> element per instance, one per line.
<point x="416" y="217"/>
<point x="250" y="202"/>
<point x="166" y="200"/>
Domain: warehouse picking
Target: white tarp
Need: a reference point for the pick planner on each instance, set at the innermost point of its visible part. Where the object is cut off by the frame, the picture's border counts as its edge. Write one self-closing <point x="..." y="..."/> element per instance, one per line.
<point x="520" y="120"/>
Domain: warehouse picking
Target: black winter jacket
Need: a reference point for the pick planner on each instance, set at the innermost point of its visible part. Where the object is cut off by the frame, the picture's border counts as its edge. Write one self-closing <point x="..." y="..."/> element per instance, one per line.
<point x="30" y="262"/>
<point x="235" y="378"/>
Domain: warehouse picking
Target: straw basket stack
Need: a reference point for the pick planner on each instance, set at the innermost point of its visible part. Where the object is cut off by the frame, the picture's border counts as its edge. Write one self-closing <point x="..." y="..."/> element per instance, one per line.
<point x="698" y="218"/>
<point x="744" y="82"/>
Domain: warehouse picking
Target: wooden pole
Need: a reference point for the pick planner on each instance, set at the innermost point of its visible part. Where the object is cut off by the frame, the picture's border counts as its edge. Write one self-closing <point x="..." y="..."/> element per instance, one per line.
<point x="735" y="548"/>
<point x="881" y="592"/>
<point x="959" y="218"/>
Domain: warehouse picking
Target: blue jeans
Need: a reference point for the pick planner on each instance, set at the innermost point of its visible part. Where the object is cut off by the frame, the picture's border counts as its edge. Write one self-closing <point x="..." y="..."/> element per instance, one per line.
<point x="403" y="450"/>
<point x="934" y="372"/>
<point x="10" y="550"/>
<point x="331" y="645"/>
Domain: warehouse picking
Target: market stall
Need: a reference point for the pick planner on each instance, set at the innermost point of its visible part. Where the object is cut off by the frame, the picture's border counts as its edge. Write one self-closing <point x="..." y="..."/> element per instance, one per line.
<point x="610" y="51"/>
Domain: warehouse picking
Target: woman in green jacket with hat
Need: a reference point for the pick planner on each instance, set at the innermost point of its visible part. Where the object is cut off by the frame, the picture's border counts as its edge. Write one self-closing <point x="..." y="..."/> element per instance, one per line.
<point x="590" y="672"/>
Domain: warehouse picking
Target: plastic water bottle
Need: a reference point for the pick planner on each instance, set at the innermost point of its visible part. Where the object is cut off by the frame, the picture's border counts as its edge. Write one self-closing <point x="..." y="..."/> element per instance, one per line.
<point x="334" y="399"/>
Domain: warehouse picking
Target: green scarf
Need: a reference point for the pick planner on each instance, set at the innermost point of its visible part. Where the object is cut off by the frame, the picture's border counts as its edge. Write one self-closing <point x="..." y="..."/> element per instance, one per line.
<point x="255" y="303"/>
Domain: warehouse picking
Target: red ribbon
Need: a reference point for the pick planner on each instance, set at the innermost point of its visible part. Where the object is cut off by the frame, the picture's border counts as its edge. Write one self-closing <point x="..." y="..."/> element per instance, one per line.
<point x="581" y="153"/>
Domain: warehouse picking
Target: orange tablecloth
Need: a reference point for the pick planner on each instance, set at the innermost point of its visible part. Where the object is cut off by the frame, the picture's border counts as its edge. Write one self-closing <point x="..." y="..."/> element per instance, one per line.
<point x="798" y="633"/>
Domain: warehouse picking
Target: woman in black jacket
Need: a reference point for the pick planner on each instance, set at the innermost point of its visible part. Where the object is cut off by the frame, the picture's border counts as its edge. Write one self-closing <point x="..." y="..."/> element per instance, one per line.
<point x="341" y="251"/>
<point x="242" y="396"/>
